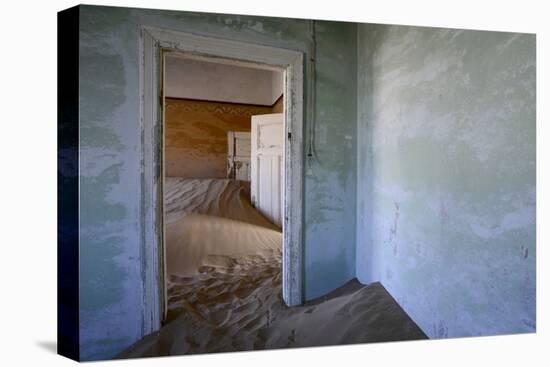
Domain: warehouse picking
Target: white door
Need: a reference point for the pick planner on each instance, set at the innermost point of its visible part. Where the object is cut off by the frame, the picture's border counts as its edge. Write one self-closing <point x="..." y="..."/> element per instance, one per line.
<point x="238" y="155"/>
<point x="267" y="178"/>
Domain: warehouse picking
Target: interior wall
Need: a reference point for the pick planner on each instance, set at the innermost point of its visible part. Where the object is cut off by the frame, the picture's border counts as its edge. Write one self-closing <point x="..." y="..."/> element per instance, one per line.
<point x="277" y="85"/>
<point x="330" y="177"/>
<point x="196" y="135"/>
<point x="446" y="176"/>
<point x="111" y="296"/>
<point x="278" y="106"/>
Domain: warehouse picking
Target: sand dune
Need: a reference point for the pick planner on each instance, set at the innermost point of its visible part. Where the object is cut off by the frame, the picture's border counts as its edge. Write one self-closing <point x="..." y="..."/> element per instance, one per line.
<point x="224" y="289"/>
<point x="197" y="240"/>
<point x="217" y="197"/>
<point x="239" y="308"/>
<point x="210" y="220"/>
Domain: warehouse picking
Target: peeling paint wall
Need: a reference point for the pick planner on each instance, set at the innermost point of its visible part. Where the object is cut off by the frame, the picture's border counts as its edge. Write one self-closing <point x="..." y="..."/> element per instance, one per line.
<point x="331" y="174"/>
<point x="446" y="176"/>
<point x="110" y="147"/>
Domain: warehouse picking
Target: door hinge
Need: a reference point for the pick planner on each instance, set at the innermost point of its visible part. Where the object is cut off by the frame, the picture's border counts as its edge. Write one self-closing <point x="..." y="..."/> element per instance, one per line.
<point x="289" y="135"/>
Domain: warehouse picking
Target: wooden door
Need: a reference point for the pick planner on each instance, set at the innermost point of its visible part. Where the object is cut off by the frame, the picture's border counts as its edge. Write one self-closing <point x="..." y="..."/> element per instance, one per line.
<point x="267" y="176"/>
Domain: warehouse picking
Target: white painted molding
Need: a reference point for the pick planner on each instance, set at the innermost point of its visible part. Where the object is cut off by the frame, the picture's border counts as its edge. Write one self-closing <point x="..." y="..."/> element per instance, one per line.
<point x="151" y="186"/>
<point x="155" y="42"/>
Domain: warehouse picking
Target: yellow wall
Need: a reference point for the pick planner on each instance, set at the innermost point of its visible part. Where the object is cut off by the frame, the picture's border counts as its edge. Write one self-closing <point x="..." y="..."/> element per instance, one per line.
<point x="196" y="135"/>
<point x="278" y="106"/>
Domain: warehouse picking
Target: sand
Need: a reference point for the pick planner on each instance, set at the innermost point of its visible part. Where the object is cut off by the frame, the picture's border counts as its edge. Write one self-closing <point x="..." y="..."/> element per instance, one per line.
<point x="209" y="221"/>
<point x="224" y="285"/>
<point x="216" y="197"/>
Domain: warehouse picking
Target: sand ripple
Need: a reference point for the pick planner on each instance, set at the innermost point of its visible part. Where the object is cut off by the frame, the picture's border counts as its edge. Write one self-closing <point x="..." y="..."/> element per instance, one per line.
<point x="224" y="287"/>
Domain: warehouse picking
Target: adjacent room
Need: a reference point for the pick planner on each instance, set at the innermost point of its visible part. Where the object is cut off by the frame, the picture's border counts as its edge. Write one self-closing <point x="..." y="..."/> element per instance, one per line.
<point x="222" y="188"/>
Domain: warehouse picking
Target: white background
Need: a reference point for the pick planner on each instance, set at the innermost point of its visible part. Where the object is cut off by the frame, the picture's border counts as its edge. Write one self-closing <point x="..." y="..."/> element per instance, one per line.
<point x="28" y="182"/>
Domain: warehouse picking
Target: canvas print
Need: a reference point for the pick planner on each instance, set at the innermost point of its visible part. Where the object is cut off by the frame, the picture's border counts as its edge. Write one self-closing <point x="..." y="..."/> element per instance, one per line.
<point x="242" y="183"/>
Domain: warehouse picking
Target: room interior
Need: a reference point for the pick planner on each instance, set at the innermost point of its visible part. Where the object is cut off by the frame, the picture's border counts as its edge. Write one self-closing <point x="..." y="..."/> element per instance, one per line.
<point x="419" y="170"/>
<point x="223" y="208"/>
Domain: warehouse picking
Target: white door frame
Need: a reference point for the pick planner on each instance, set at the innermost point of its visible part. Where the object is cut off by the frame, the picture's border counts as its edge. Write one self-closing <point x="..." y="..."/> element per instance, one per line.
<point x="154" y="43"/>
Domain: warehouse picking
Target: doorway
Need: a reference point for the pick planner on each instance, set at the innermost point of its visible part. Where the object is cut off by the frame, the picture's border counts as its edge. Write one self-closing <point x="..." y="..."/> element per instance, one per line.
<point x="156" y="44"/>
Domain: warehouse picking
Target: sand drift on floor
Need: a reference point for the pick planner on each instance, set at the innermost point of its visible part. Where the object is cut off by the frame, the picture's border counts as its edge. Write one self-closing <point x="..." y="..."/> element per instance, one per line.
<point x="224" y="287"/>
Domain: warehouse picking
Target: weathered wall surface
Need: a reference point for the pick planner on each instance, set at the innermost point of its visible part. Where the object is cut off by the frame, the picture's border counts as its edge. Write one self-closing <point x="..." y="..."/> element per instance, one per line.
<point x="446" y="176"/>
<point x="331" y="172"/>
<point x="110" y="149"/>
<point x="196" y="135"/>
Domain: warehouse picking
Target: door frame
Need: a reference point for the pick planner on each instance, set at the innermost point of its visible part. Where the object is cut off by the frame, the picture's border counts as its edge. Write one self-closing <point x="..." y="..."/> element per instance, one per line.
<point x="154" y="45"/>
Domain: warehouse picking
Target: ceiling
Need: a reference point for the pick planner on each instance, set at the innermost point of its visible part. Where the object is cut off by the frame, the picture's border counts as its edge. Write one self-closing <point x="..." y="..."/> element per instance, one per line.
<point x="221" y="82"/>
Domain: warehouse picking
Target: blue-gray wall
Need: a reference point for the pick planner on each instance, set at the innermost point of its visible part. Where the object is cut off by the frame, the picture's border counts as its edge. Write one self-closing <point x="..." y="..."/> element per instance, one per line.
<point x="446" y="176"/>
<point x="422" y="177"/>
<point x="110" y="262"/>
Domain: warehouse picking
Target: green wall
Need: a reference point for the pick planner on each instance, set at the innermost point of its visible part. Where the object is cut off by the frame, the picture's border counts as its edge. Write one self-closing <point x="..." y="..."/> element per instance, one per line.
<point x="446" y="175"/>
<point x="110" y="147"/>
